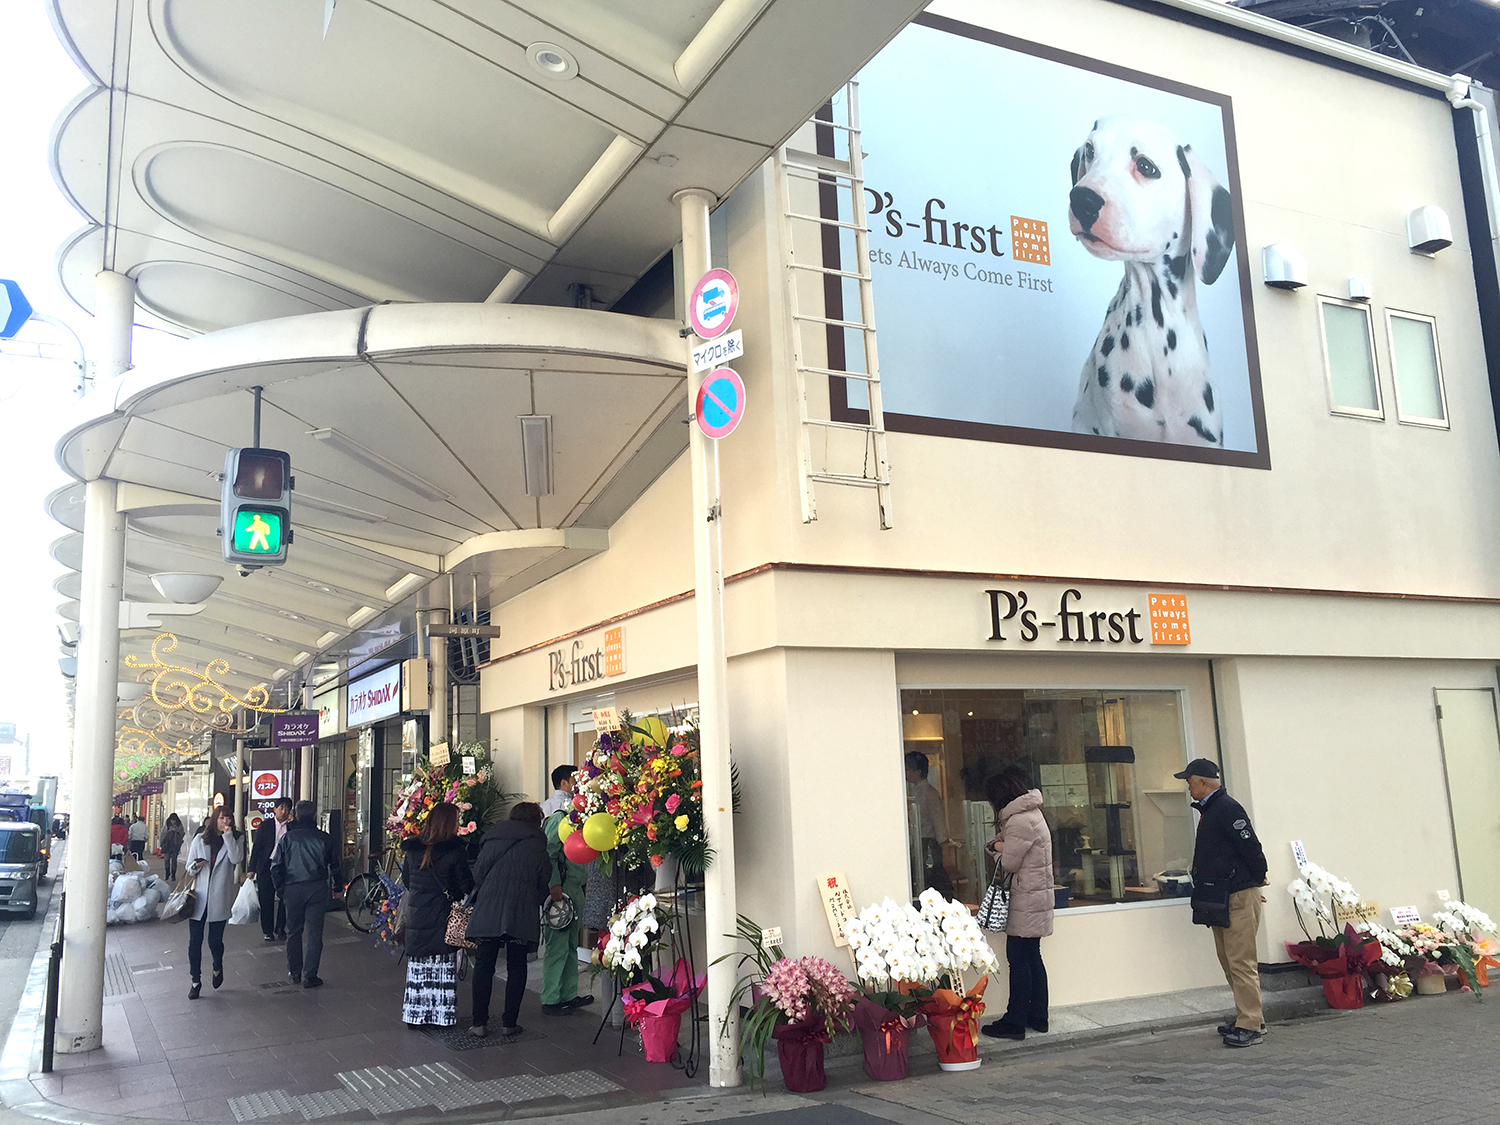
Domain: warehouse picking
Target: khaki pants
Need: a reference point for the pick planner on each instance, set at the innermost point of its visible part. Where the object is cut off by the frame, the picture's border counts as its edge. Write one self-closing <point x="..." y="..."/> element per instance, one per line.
<point x="1236" y="948"/>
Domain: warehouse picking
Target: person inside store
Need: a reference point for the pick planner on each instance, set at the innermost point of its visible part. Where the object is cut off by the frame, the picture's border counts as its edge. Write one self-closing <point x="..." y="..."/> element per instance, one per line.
<point x="268" y="834"/>
<point x="1229" y="869"/>
<point x="435" y="869"/>
<point x="1023" y="848"/>
<point x="512" y="878"/>
<point x="170" y="842"/>
<point x="562" y="791"/>
<point x="932" y="823"/>
<point x="137" y="833"/>
<point x="211" y="861"/>
<point x="119" y="835"/>
<point x="302" y="869"/>
<point x="560" y="946"/>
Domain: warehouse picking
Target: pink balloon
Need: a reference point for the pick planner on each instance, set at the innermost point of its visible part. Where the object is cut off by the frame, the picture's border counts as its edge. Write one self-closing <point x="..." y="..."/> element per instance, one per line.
<point x="577" y="851"/>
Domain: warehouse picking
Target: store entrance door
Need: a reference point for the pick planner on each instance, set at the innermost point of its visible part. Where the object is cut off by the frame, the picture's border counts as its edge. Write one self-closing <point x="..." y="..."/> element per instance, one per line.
<point x="1471" y="757"/>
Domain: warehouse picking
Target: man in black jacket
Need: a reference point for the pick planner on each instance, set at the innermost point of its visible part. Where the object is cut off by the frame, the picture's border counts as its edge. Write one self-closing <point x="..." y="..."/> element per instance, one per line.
<point x="302" y="868"/>
<point x="267" y="833"/>
<point x="1228" y="860"/>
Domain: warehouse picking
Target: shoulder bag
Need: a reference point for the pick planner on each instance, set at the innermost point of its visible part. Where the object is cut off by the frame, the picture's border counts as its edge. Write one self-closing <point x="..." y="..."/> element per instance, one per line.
<point x="1210" y="901"/>
<point x="994" y="909"/>
<point x="183" y="903"/>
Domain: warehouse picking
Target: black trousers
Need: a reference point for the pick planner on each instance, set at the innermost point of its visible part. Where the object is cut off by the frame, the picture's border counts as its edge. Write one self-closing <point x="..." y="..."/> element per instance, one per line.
<point x="138" y="848"/>
<point x="195" y="946"/>
<point x="1028" y="982"/>
<point x="934" y="874"/>
<point x="306" y="903"/>
<point x="485" y="958"/>
<point x="272" y="905"/>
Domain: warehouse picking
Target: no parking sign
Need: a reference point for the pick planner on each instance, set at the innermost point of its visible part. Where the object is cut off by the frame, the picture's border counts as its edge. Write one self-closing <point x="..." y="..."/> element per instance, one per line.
<point x="721" y="403"/>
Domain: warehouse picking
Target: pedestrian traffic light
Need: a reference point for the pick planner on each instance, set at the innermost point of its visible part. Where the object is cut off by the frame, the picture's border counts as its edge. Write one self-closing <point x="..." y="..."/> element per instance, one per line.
<point x="256" y="513"/>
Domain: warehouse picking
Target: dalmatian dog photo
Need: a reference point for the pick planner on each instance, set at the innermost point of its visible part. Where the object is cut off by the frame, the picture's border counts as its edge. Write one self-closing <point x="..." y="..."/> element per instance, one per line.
<point x="1142" y="198"/>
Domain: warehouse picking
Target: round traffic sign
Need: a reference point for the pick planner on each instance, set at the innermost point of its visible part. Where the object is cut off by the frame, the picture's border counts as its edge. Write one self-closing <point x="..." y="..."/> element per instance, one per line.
<point x="713" y="303"/>
<point x="721" y="403"/>
<point x="267" y="784"/>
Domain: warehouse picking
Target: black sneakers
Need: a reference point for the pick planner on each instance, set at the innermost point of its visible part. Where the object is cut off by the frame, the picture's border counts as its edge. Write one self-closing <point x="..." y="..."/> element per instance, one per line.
<point x="313" y="982"/>
<point x="1226" y="1028"/>
<point x="1243" y="1037"/>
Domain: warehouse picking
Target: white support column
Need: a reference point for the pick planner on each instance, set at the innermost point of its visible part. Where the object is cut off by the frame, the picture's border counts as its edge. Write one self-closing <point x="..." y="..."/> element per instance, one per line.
<point x="114" y="320"/>
<point x="80" y="1012"/>
<point x="437" y="657"/>
<point x="713" y="711"/>
<point x="305" y="774"/>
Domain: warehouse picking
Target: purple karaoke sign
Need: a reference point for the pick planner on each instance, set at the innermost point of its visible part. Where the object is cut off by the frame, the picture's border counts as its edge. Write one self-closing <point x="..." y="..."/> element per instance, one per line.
<point x="295" y="729"/>
<point x="152" y="788"/>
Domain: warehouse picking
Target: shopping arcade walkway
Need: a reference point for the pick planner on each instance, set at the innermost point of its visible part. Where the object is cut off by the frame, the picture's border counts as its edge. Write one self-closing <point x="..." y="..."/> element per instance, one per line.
<point x="259" y="1049"/>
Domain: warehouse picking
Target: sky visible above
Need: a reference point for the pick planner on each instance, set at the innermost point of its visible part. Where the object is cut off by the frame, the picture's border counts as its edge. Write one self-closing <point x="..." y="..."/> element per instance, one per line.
<point x="37" y="80"/>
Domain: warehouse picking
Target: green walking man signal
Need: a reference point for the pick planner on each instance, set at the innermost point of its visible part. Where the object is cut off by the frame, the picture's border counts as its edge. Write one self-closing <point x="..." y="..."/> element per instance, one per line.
<point x="255" y="512"/>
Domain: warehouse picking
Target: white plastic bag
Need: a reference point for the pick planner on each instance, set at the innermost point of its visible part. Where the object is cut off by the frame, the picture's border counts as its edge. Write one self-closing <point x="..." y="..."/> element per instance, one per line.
<point x="127" y="888"/>
<point x="246" y="907"/>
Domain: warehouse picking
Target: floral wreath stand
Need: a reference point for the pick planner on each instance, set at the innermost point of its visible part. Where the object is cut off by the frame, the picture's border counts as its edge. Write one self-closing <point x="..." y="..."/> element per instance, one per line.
<point x="680" y="948"/>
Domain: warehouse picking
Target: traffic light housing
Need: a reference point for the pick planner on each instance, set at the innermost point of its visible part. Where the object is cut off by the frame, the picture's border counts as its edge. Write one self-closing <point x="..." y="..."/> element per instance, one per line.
<point x="255" y="514"/>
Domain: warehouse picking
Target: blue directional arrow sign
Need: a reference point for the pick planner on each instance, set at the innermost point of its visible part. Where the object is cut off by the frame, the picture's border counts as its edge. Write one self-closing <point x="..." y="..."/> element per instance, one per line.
<point x="15" y="309"/>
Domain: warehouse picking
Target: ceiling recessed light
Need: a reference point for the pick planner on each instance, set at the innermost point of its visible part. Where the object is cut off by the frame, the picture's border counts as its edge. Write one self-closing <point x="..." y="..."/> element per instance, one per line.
<point x="552" y="61"/>
<point x="666" y="159"/>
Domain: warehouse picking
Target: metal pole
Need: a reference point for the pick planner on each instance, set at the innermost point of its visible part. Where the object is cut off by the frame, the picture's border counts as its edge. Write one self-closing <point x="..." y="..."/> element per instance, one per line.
<point x="81" y="1008"/>
<point x="54" y="974"/>
<point x="713" y="712"/>
<point x="255" y="435"/>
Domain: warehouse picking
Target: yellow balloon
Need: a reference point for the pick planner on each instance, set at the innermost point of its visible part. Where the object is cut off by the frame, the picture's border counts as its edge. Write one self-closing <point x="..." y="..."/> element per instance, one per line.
<point x="601" y="831"/>
<point x="656" y="730"/>
<point x="565" y="828"/>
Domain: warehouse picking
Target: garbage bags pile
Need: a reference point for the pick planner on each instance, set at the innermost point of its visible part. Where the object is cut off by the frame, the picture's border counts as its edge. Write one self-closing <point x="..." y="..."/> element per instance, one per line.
<point x="134" y="897"/>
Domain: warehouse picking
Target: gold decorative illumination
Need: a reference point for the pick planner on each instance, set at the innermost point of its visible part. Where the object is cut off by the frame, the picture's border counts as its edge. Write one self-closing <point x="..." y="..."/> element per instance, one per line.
<point x="194" y="698"/>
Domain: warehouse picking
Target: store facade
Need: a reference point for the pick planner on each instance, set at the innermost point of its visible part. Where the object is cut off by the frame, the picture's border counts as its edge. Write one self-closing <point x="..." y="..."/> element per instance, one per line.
<point x="1311" y="599"/>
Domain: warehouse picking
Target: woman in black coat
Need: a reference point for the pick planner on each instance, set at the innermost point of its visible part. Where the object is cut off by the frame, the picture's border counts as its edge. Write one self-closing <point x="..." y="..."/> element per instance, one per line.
<point x="512" y="879"/>
<point x="435" y="868"/>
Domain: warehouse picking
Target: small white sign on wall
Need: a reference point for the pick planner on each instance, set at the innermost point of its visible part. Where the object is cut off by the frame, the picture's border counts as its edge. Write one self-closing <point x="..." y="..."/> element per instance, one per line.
<point x="1405" y="916"/>
<point x="1299" y="853"/>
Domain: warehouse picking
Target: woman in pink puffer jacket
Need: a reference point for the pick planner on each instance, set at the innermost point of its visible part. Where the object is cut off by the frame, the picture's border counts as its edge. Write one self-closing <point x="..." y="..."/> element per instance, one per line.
<point x="1024" y="848"/>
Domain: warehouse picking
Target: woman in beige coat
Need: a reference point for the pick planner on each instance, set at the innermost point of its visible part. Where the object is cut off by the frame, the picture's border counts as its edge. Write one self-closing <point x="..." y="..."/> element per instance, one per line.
<point x="1024" y="849"/>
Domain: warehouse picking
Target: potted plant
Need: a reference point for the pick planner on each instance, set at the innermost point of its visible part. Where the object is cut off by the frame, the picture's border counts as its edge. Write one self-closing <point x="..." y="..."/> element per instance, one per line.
<point x="1473" y="952"/>
<point x="1389" y="972"/>
<point x="890" y="953"/>
<point x="1338" y="958"/>
<point x="656" y="1006"/>
<point x="627" y="950"/>
<point x="953" y="1008"/>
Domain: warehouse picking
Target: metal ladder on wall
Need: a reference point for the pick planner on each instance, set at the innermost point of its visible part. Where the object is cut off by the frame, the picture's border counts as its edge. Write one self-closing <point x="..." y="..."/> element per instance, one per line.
<point x="833" y="177"/>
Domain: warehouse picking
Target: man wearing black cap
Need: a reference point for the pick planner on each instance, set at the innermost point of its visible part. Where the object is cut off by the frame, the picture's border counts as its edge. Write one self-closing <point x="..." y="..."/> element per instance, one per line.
<point x="1229" y="868"/>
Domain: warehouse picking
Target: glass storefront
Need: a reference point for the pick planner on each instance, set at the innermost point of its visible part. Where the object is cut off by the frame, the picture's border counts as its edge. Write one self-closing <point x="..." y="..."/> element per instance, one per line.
<point x="1103" y="760"/>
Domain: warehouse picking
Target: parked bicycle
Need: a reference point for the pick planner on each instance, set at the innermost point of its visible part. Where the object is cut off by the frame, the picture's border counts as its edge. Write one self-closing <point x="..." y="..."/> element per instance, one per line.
<point x="367" y="891"/>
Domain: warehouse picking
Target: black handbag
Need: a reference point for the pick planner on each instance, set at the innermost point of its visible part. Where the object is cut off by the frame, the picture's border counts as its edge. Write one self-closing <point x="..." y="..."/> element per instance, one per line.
<point x="1210" y="901"/>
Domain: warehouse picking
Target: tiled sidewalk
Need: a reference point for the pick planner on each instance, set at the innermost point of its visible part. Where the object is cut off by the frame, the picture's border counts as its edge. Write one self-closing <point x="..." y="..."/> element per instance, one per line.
<point x="260" y="1049"/>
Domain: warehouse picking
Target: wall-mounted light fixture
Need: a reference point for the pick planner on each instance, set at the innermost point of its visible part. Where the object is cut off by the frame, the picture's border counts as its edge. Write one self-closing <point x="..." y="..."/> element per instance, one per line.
<point x="184" y="588"/>
<point x="1428" y="230"/>
<point x="1360" y="289"/>
<point x="378" y="464"/>
<point x="536" y="453"/>
<point x="1283" y="267"/>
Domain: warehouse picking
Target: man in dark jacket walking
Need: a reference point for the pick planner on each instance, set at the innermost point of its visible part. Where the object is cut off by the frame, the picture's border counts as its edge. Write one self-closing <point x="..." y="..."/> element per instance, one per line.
<point x="512" y="879"/>
<point x="302" y="868"/>
<point x="267" y="835"/>
<point x="1228" y="862"/>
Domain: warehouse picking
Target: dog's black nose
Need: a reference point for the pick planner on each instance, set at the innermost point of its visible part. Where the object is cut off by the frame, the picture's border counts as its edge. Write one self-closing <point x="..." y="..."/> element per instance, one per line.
<point x="1086" y="205"/>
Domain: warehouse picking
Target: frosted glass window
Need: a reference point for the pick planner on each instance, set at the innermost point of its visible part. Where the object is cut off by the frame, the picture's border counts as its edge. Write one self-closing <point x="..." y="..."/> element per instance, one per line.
<point x="1349" y="352"/>
<point x="1419" y="377"/>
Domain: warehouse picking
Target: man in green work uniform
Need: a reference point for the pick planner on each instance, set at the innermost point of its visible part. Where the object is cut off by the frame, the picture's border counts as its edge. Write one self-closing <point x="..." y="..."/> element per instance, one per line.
<point x="560" y="947"/>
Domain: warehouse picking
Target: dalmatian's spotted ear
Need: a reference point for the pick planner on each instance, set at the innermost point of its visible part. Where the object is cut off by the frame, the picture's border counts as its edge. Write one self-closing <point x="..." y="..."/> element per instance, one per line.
<point x="1210" y="217"/>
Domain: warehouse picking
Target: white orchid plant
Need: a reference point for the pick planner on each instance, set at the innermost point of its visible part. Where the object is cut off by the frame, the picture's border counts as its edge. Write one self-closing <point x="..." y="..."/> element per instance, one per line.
<point x="1315" y="893"/>
<point x="927" y="946"/>
<point x="635" y="932"/>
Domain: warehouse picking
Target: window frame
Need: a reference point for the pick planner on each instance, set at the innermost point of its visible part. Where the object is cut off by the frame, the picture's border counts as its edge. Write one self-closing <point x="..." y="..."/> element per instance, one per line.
<point x="1378" y="414"/>
<point x="1443" y="423"/>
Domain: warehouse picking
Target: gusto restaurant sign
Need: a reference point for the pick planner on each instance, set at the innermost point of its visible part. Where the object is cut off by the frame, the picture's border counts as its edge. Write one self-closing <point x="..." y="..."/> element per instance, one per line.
<point x="1012" y="616"/>
<point x="376" y="696"/>
<point x="583" y="661"/>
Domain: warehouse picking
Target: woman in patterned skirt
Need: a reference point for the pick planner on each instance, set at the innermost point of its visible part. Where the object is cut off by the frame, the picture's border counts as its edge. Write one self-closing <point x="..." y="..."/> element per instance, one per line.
<point x="435" y="867"/>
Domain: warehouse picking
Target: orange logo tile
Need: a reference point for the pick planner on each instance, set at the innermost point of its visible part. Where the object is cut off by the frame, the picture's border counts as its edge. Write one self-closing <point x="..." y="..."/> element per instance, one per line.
<point x="1028" y="241"/>
<point x="1169" y="620"/>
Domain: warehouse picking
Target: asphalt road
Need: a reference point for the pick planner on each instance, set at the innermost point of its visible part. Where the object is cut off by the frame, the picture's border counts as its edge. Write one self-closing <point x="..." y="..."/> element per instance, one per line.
<point x="20" y="936"/>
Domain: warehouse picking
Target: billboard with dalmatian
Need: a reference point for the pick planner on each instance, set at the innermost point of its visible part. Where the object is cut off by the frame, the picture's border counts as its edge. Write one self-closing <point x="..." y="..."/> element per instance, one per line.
<point x="1058" y="252"/>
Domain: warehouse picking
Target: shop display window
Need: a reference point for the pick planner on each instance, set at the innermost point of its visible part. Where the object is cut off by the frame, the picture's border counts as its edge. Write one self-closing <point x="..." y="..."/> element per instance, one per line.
<point x="1121" y="824"/>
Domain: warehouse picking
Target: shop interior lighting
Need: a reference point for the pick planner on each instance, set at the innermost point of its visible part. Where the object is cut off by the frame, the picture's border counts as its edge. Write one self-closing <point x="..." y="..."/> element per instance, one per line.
<point x="552" y="61"/>
<point x="378" y="464"/>
<point x="1283" y="267"/>
<point x="1428" y="230"/>
<point x="536" y="453"/>
<point x="186" y="589"/>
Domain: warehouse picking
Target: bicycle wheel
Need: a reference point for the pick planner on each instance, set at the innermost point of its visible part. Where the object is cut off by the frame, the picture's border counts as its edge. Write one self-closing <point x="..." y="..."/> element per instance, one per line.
<point x="362" y="899"/>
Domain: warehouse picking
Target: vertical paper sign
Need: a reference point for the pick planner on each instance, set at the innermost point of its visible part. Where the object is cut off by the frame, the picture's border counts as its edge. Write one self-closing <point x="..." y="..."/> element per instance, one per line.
<point x="1169" y="620"/>
<point x="606" y="718"/>
<point x="1299" y="853"/>
<point x="838" y="903"/>
<point x="469" y="765"/>
<point x="438" y="755"/>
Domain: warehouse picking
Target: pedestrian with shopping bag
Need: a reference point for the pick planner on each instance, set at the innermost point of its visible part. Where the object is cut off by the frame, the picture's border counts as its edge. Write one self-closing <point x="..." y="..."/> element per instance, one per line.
<point x="512" y="878"/>
<point x="170" y="842"/>
<point x="435" y="869"/>
<point x="211" y="860"/>
<point x="267" y="835"/>
<point x="302" y="870"/>
<point x="1022" y="848"/>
